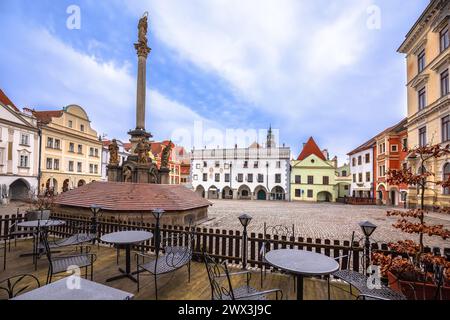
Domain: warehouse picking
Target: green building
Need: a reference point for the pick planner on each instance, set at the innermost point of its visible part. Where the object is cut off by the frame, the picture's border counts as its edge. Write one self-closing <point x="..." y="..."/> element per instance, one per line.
<point x="314" y="177"/>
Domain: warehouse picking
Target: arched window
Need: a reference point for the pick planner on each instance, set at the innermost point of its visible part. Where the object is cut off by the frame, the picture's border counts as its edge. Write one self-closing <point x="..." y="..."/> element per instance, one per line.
<point x="447" y="177"/>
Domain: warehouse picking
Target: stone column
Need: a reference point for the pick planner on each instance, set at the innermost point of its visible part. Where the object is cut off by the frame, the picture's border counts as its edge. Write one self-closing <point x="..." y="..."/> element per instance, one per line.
<point x="141" y="87"/>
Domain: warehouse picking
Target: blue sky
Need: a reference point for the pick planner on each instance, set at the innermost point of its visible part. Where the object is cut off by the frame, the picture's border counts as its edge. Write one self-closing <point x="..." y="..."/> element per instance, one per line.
<point x="309" y="68"/>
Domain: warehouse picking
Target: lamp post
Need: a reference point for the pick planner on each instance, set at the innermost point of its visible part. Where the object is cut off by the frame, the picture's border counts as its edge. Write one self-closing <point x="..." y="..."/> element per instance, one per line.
<point x="367" y="228"/>
<point x="245" y="221"/>
<point x="157" y="213"/>
<point x="95" y="209"/>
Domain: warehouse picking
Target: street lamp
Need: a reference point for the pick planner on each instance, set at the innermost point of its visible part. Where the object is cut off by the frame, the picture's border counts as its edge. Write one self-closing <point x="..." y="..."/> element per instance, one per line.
<point x="157" y="213"/>
<point x="95" y="209"/>
<point x="245" y="221"/>
<point x="367" y="228"/>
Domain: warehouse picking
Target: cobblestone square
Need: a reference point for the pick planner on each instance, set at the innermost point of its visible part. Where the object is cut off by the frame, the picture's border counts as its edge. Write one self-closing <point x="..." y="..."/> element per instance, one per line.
<point x="316" y="220"/>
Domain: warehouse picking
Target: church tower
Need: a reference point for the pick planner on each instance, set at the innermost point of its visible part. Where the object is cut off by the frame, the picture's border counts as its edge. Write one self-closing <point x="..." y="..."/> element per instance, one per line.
<point x="270" y="139"/>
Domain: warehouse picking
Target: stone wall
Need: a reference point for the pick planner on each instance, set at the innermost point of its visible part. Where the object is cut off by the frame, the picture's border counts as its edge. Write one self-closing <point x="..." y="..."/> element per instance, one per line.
<point x="169" y="218"/>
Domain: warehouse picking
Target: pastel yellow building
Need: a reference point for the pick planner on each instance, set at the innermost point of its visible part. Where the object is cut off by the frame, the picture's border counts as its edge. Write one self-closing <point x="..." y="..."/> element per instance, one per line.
<point x="427" y="58"/>
<point x="313" y="175"/>
<point x="70" y="149"/>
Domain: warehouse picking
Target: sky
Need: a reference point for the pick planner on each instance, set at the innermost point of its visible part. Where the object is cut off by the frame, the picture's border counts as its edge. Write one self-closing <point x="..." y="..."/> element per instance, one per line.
<point x="218" y="68"/>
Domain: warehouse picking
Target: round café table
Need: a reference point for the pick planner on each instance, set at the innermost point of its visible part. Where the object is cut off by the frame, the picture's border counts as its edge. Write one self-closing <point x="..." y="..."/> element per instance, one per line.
<point x="301" y="263"/>
<point x="126" y="239"/>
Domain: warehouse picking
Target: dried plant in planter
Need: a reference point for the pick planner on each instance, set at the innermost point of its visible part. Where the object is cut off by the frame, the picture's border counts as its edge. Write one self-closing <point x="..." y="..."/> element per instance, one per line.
<point x="411" y="262"/>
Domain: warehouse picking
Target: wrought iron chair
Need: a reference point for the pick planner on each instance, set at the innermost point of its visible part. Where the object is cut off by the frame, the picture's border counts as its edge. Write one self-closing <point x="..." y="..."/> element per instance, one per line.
<point x="177" y="253"/>
<point x="16" y="285"/>
<point x="61" y="263"/>
<point x="218" y="273"/>
<point x="277" y="230"/>
<point x="357" y="280"/>
<point x="83" y="234"/>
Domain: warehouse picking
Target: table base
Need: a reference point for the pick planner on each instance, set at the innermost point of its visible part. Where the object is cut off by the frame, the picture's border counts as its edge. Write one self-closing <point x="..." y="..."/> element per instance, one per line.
<point x="123" y="274"/>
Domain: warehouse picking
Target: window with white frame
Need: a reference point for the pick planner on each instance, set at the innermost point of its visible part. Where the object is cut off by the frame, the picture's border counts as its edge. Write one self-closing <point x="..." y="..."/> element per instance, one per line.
<point x="24" y="139"/>
<point x="394" y="148"/>
<point x="79" y="167"/>
<point x="57" y="144"/>
<point x="1" y="156"/>
<point x="23" y="161"/>
<point x="49" y="164"/>
<point x="56" y="164"/>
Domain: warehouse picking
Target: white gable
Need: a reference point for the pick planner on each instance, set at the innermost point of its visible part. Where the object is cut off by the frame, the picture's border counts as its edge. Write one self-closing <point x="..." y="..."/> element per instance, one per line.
<point x="9" y="115"/>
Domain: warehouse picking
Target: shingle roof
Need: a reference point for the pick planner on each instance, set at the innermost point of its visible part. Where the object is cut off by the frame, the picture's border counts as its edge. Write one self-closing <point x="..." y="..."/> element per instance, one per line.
<point x="310" y="148"/>
<point x="6" y="101"/>
<point x="117" y="196"/>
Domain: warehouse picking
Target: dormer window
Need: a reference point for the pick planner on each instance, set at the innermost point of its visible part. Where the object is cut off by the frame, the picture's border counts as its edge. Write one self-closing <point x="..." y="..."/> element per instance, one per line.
<point x="70" y="124"/>
<point x="82" y="127"/>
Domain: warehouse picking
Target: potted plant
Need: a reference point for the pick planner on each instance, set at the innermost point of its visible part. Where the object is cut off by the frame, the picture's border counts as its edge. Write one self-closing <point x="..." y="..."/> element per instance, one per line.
<point x="409" y="269"/>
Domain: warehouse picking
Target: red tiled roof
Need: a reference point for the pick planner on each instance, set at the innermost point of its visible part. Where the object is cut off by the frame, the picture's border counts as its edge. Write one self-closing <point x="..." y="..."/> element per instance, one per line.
<point x="116" y="196"/>
<point x="106" y="143"/>
<point x="127" y="146"/>
<point x="310" y="148"/>
<point x="6" y="101"/>
<point x="366" y="145"/>
<point x="46" y="116"/>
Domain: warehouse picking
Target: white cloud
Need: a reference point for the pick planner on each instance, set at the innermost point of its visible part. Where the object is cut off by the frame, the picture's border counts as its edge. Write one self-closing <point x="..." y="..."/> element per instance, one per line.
<point x="55" y="75"/>
<point x="265" y="49"/>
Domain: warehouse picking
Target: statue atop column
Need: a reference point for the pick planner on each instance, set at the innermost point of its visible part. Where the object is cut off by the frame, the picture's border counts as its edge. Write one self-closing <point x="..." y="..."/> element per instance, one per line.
<point x="142" y="47"/>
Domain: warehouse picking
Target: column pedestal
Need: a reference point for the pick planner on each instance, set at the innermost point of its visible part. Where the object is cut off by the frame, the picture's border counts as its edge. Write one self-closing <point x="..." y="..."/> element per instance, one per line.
<point x="164" y="175"/>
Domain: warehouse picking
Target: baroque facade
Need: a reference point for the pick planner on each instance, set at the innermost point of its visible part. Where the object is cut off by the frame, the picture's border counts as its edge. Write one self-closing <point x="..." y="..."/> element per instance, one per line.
<point x="70" y="149"/>
<point x="19" y="152"/>
<point x="392" y="151"/>
<point x="362" y="170"/>
<point x="316" y="178"/>
<point x="427" y="51"/>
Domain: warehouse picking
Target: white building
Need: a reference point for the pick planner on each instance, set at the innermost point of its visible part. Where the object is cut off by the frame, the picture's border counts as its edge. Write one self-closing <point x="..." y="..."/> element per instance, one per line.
<point x="123" y="154"/>
<point x="362" y="170"/>
<point x="250" y="173"/>
<point x="19" y="152"/>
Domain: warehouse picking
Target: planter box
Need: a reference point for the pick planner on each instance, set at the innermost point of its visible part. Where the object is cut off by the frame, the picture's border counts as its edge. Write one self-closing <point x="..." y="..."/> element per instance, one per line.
<point x="418" y="290"/>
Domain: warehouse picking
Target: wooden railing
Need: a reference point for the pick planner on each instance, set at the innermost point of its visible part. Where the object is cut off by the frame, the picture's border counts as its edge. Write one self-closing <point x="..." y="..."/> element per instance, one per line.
<point x="222" y="244"/>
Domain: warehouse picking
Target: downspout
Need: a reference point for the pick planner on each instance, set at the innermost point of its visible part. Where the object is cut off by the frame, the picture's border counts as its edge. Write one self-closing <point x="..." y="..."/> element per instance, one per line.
<point x="39" y="156"/>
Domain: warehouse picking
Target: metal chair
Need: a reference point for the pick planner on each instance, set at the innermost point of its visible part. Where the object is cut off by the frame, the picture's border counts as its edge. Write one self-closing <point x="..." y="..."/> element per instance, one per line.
<point x="360" y="281"/>
<point x="219" y="273"/>
<point x="280" y="231"/>
<point x="60" y="264"/>
<point x="82" y="234"/>
<point x="17" y="285"/>
<point x="15" y="232"/>
<point x="177" y="253"/>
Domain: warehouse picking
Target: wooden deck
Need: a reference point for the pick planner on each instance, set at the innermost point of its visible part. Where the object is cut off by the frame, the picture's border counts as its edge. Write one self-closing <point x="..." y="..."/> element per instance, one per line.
<point x="172" y="286"/>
